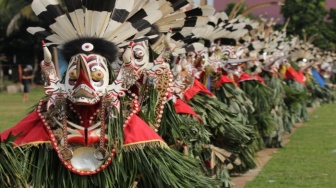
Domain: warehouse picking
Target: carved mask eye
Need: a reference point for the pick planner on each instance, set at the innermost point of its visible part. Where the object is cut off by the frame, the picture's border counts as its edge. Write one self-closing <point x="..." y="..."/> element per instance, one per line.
<point x="73" y="75"/>
<point x="225" y="55"/>
<point x="97" y="75"/>
<point x="139" y="54"/>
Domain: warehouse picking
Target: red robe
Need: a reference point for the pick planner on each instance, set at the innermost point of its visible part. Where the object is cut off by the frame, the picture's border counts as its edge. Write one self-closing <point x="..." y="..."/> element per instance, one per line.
<point x="197" y="87"/>
<point x="183" y="108"/>
<point x="298" y="76"/>
<point x="33" y="131"/>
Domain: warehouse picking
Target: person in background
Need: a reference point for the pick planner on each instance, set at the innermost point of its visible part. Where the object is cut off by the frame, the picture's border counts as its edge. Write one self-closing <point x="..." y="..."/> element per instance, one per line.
<point x="27" y="75"/>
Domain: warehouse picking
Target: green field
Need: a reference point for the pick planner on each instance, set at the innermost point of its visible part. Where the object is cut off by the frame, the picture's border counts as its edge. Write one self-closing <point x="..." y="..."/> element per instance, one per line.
<point x="308" y="160"/>
<point x="12" y="109"/>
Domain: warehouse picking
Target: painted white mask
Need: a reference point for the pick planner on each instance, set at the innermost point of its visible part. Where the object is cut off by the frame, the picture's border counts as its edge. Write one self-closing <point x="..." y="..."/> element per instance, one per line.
<point x="86" y="79"/>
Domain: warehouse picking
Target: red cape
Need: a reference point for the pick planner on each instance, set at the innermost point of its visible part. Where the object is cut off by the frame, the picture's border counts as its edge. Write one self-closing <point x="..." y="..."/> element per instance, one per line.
<point x="197" y="87"/>
<point x="260" y="79"/>
<point x="33" y="131"/>
<point x="183" y="108"/>
<point x="298" y="76"/>
<point x="223" y="79"/>
<point x="246" y="77"/>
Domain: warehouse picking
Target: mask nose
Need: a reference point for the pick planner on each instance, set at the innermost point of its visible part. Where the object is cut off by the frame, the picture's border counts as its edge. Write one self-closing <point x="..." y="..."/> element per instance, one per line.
<point x="82" y="68"/>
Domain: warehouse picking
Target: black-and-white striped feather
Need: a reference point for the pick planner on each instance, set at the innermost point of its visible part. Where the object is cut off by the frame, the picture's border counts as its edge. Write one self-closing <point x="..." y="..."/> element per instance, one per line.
<point x="52" y="14"/>
<point x="120" y="13"/>
<point x="117" y="21"/>
<point x="143" y="19"/>
<point x="42" y="33"/>
<point x="76" y="14"/>
<point x="97" y="16"/>
<point x="199" y="11"/>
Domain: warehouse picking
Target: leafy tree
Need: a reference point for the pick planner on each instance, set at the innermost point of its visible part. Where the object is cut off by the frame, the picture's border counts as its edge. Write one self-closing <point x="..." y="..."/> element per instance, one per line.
<point x="331" y="24"/>
<point x="309" y="15"/>
<point x="16" y="16"/>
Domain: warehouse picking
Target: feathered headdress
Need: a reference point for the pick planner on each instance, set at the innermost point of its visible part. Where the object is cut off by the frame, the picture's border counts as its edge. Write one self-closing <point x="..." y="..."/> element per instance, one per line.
<point x="116" y="21"/>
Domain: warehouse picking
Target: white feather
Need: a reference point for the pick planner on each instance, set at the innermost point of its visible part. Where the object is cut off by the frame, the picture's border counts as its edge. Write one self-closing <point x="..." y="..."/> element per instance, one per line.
<point x="77" y="18"/>
<point x="186" y="31"/>
<point x="126" y="30"/>
<point x="164" y="27"/>
<point x="62" y="22"/>
<point x="50" y="2"/>
<point x="159" y="42"/>
<point x="207" y="11"/>
<point x="95" y="21"/>
<point x="166" y="8"/>
<point x="54" y="38"/>
<point x="154" y="16"/>
<point x="200" y="32"/>
<point x="197" y="46"/>
<point x="113" y="25"/>
<point x="141" y="33"/>
<point x="151" y="7"/>
<point x="59" y="31"/>
<point x="38" y="7"/>
<point x="102" y="20"/>
<point x="138" y="4"/>
<point x="33" y="30"/>
<point x="88" y="22"/>
<point x="68" y="29"/>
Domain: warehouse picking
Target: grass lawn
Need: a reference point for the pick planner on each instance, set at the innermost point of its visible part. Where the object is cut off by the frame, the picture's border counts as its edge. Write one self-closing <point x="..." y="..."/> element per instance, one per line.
<point x="308" y="160"/>
<point x="12" y="109"/>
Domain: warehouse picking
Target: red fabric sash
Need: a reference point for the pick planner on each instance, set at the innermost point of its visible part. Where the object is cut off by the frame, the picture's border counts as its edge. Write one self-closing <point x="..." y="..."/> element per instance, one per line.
<point x="246" y="77"/>
<point x="183" y="108"/>
<point x="224" y="79"/>
<point x="197" y="87"/>
<point x="33" y="131"/>
<point x="260" y="79"/>
<point x="298" y="76"/>
<point x="137" y="131"/>
<point x="31" y="128"/>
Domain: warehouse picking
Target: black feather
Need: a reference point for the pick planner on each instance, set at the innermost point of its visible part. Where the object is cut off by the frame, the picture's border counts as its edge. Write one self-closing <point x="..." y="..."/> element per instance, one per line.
<point x="137" y="16"/>
<point x="46" y="18"/>
<point x="154" y="31"/>
<point x="120" y="15"/>
<point x="194" y="12"/>
<point x="248" y="27"/>
<point x="212" y="24"/>
<point x="226" y="41"/>
<point x="177" y="29"/>
<point x="230" y="29"/>
<point x="177" y="4"/>
<point x="73" y="5"/>
<point x="190" y="22"/>
<point x="42" y="34"/>
<point x="190" y="48"/>
<point x="177" y="36"/>
<point x="99" y="5"/>
<point x="55" y="10"/>
<point x="89" y="4"/>
<point x="207" y="43"/>
<point x="102" y="47"/>
<point x="141" y="24"/>
<point x="250" y="47"/>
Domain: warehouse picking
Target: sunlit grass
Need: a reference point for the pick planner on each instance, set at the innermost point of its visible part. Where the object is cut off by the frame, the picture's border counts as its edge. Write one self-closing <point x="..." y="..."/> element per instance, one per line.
<point x="308" y="160"/>
<point x="12" y="109"/>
